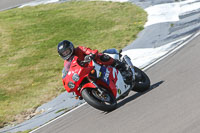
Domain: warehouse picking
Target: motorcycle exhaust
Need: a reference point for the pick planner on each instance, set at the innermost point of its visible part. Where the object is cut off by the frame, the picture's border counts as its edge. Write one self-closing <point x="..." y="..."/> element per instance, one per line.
<point x="128" y="61"/>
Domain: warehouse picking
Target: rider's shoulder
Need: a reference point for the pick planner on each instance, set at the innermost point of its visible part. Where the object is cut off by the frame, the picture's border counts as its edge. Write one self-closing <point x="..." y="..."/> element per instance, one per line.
<point x="82" y="48"/>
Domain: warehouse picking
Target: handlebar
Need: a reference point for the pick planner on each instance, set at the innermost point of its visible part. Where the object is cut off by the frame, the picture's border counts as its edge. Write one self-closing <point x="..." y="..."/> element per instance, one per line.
<point x="86" y="60"/>
<point x="83" y="63"/>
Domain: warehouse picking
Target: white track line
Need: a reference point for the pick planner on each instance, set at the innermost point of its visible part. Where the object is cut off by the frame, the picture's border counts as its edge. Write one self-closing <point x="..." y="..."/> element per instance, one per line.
<point x="147" y="67"/>
<point x="172" y="51"/>
<point x="59" y="117"/>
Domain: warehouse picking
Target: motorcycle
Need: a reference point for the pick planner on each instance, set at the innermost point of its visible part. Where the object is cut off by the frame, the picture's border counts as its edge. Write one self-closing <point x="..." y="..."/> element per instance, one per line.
<point x="102" y="86"/>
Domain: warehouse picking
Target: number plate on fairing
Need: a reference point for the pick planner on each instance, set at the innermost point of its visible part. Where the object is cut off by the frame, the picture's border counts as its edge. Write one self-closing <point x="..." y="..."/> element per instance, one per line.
<point x="105" y="74"/>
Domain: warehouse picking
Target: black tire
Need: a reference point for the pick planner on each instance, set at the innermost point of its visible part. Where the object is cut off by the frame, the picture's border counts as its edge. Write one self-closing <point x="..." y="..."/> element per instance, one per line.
<point x="142" y="83"/>
<point x="89" y="97"/>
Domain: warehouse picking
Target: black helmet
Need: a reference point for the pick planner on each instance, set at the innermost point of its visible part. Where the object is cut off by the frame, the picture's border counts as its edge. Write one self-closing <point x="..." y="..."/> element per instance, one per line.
<point x="65" y="49"/>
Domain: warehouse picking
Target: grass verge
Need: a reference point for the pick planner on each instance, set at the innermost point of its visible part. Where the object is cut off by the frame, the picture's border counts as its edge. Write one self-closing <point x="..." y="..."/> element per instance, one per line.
<point x="30" y="68"/>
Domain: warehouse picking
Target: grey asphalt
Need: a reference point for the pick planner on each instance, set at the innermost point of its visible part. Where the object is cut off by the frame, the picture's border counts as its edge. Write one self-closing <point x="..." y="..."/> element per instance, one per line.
<point x="157" y="35"/>
<point x="170" y="106"/>
<point x="6" y="4"/>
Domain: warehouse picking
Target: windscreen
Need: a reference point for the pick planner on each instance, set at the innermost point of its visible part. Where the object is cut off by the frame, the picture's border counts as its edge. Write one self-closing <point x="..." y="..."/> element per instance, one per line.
<point x="66" y="69"/>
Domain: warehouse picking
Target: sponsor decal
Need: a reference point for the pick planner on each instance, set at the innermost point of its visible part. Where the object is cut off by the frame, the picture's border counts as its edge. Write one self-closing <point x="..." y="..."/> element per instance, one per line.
<point x="106" y="75"/>
<point x="99" y="74"/>
<point x="119" y="91"/>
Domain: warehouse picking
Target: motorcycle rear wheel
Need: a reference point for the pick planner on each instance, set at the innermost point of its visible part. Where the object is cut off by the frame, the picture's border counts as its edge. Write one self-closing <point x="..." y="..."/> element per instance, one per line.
<point x="91" y="97"/>
<point x="142" y="83"/>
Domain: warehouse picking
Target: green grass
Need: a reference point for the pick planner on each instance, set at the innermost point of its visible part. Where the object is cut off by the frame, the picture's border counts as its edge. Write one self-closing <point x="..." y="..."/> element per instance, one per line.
<point x="27" y="131"/>
<point x="30" y="68"/>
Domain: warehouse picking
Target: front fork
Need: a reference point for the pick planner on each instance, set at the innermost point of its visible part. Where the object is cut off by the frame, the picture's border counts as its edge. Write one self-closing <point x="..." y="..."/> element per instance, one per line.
<point x="128" y="61"/>
<point x="100" y="91"/>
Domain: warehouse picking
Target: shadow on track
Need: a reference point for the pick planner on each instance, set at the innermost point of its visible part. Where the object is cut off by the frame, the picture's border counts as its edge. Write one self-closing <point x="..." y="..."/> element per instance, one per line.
<point x="133" y="97"/>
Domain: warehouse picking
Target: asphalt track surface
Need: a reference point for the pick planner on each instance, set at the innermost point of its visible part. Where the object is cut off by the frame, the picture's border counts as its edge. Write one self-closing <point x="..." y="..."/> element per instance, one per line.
<point x="6" y="4"/>
<point x="170" y="106"/>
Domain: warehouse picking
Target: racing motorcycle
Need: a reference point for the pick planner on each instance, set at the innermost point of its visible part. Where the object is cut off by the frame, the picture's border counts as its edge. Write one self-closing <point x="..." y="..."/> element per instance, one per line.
<point x="102" y="86"/>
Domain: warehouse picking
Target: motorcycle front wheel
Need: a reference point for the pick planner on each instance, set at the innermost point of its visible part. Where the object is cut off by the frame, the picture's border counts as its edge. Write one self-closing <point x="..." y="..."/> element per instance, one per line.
<point x="99" y="99"/>
<point x="142" y="81"/>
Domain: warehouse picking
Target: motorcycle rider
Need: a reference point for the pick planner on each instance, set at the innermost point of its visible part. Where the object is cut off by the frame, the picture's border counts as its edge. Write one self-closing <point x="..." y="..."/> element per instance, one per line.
<point x="66" y="50"/>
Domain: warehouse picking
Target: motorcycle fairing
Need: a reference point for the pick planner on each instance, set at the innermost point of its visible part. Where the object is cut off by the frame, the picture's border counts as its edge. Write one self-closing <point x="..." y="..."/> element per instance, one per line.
<point x="113" y="78"/>
<point x="121" y="86"/>
<point x="69" y="69"/>
<point x="88" y="85"/>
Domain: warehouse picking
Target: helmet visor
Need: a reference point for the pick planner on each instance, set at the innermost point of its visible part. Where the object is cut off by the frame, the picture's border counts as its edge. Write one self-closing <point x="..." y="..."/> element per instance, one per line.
<point x="66" y="52"/>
